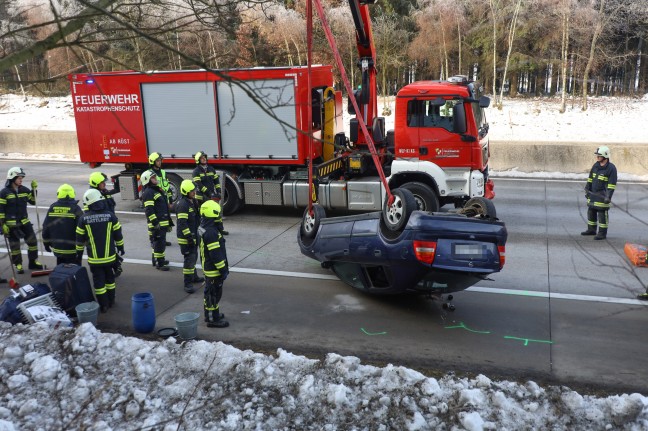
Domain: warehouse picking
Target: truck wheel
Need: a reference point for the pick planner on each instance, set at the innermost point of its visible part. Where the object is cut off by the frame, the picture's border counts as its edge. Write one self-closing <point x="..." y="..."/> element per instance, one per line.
<point x="231" y="201"/>
<point x="426" y="199"/>
<point x="396" y="215"/>
<point x="480" y="207"/>
<point x="310" y="223"/>
<point x="174" y="186"/>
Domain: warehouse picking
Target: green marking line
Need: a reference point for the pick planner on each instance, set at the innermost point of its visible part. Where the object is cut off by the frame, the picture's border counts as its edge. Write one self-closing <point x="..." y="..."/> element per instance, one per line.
<point x="372" y="333"/>
<point x="527" y="340"/>
<point x="463" y="326"/>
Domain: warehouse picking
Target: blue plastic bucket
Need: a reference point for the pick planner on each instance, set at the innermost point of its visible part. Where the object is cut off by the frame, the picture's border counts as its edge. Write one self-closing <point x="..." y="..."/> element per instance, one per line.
<point x="143" y="312"/>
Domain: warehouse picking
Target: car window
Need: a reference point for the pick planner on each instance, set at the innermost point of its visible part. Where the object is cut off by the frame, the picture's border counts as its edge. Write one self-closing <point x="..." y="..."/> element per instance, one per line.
<point x="350" y="273"/>
<point x="424" y="113"/>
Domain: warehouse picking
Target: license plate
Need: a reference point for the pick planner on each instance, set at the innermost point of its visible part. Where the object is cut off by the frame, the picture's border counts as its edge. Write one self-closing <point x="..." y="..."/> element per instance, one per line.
<point x="468" y="251"/>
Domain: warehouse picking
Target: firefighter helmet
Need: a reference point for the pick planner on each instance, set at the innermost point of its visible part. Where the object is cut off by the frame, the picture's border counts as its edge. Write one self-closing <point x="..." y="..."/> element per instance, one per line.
<point x="146" y="177"/>
<point x="65" y="191"/>
<point x="186" y="187"/>
<point x="92" y="196"/>
<point x="211" y="209"/>
<point x="200" y="154"/>
<point x="153" y="157"/>
<point x="603" y="152"/>
<point x="97" y="178"/>
<point x="15" y="172"/>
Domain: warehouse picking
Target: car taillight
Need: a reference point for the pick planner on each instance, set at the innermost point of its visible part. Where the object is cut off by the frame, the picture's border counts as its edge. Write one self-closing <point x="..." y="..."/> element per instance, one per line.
<point x="502" y="255"/>
<point x="424" y="251"/>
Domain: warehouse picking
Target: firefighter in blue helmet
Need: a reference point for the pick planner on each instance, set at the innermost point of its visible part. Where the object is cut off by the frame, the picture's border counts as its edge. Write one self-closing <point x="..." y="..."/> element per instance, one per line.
<point x="601" y="184"/>
<point x="100" y="232"/>
<point x="14" y="220"/>
<point x="188" y="213"/>
<point x="59" y="227"/>
<point x="214" y="263"/>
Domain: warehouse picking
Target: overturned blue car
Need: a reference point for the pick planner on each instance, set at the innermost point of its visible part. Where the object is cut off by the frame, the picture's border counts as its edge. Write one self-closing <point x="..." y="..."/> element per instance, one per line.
<point x="392" y="253"/>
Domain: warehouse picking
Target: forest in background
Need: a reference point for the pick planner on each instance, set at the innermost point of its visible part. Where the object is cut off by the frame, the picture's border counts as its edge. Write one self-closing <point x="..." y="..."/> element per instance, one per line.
<point x="514" y="47"/>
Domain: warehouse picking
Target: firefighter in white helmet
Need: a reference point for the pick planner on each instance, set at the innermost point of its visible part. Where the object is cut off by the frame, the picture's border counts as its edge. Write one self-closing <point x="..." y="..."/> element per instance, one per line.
<point x="14" y="220"/>
<point x="599" y="189"/>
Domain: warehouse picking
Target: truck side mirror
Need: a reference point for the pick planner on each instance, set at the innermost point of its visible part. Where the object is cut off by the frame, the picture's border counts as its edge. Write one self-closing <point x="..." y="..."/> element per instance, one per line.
<point x="459" y="119"/>
<point x="484" y="102"/>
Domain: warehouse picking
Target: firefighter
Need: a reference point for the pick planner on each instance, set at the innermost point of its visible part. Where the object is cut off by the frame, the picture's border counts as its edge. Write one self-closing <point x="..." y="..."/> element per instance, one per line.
<point x="188" y="212"/>
<point x="59" y="227"/>
<point x="156" y="207"/>
<point x="14" y="219"/>
<point x="100" y="232"/>
<point x="600" y="186"/>
<point x="155" y="165"/>
<point x="97" y="181"/>
<point x="207" y="182"/>
<point x="214" y="263"/>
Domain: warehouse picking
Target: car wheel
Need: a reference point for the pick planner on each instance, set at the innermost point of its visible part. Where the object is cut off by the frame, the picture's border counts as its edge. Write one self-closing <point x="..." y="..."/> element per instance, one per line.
<point x="480" y="207"/>
<point x="311" y="222"/>
<point x="174" y="186"/>
<point x="396" y="215"/>
<point x="231" y="201"/>
<point x="426" y="199"/>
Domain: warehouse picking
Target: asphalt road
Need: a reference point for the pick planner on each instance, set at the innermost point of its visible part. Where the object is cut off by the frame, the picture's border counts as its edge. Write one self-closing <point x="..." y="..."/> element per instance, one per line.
<point x="562" y="310"/>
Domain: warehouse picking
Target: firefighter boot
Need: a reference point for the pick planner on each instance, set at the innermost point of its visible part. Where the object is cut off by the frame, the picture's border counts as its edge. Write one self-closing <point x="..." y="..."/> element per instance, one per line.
<point x="196" y="278"/>
<point x="19" y="268"/>
<point x="34" y="264"/>
<point x="215" y="319"/>
<point x="188" y="286"/>
<point x="154" y="262"/>
<point x="103" y="302"/>
<point x="591" y="230"/>
<point x="602" y="234"/>
<point x="111" y="298"/>
<point x="162" y="265"/>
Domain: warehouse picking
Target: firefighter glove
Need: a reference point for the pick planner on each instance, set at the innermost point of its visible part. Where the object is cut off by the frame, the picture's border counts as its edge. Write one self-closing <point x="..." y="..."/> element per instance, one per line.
<point x="224" y="273"/>
<point x="155" y="232"/>
<point x="34" y="184"/>
<point x="191" y="242"/>
<point x="115" y="182"/>
<point x="5" y="229"/>
<point x="169" y="228"/>
<point x="120" y="249"/>
<point x="48" y="248"/>
<point x="79" y="257"/>
<point x="606" y="200"/>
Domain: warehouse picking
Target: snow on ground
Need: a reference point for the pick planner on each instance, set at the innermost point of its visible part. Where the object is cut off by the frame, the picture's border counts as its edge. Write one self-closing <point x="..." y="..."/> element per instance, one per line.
<point x="84" y="379"/>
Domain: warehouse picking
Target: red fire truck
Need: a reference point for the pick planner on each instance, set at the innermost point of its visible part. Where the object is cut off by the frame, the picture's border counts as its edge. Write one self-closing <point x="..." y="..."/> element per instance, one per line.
<point x="255" y="125"/>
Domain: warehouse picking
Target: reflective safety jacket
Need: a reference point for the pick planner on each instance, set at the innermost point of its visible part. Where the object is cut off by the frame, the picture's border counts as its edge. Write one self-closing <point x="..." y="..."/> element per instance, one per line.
<point x="100" y="232"/>
<point x="187" y="211"/>
<point x="601" y="184"/>
<point x="212" y="249"/>
<point x="163" y="182"/>
<point x="13" y="205"/>
<point x="207" y="183"/>
<point x="156" y="207"/>
<point x="59" y="227"/>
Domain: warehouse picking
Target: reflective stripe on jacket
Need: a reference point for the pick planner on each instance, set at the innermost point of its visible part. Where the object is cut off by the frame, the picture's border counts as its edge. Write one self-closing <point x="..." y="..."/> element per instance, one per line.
<point x="188" y="219"/>
<point x="13" y="205"/>
<point x="100" y="232"/>
<point x="207" y="182"/>
<point x="156" y="206"/>
<point x="601" y="184"/>
<point x="59" y="227"/>
<point x="212" y="249"/>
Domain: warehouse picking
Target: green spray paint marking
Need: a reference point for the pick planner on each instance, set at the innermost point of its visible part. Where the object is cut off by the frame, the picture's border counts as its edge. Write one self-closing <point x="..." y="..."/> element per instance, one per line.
<point x="372" y="333"/>
<point x="463" y="326"/>
<point x="526" y="340"/>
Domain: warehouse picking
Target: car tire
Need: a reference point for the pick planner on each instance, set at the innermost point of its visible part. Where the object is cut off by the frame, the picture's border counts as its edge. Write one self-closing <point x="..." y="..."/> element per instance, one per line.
<point x="396" y="215"/>
<point x="310" y="223"/>
<point x="480" y="207"/>
<point x="231" y="201"/>
<point x="175" y="181"/>
<point x="426" y="199"/>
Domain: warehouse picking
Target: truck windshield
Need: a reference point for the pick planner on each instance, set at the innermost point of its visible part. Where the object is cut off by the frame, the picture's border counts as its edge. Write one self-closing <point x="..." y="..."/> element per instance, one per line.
<point x="425" y="113"/>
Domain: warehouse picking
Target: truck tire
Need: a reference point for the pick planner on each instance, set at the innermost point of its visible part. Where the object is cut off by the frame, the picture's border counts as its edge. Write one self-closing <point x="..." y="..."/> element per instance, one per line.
<point x="174" y="186"/>
<point x="426" y="199"/>
<point x="396" y="215"/>
<point x="231" y="201"/>
<point x="310" y="223"/>
<point x="479" y="207"/>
